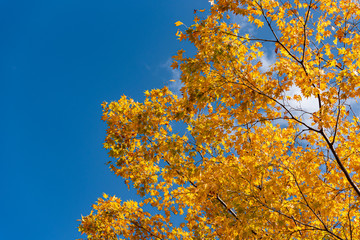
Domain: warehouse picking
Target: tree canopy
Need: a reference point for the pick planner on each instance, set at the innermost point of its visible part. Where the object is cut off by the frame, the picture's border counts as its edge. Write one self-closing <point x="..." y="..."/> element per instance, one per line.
<point x="248" y="150"/>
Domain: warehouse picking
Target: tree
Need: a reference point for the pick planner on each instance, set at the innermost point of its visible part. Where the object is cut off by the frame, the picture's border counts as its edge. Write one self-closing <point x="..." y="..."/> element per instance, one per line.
<point x="255" y="160"/>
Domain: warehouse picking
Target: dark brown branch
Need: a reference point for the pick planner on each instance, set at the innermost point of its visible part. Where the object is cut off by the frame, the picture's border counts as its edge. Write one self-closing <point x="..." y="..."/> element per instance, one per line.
<point x="306" y="202"/>
<point x="274" y="34"/>
<point x="350" y="226"/>
<point x="217" y="196"/>
<point x="295" y="220"/>
<point x="306" y="20"/>
<point x="341" y="165"/>
<point x="249" y="39"/>
<point x="277" y="102"/>
<point x="148" y="231"/>
<point x="336" y="125"/>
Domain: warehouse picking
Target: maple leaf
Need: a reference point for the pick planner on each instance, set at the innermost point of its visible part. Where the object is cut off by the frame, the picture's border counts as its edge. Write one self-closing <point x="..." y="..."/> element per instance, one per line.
<point x="178" y="23"/>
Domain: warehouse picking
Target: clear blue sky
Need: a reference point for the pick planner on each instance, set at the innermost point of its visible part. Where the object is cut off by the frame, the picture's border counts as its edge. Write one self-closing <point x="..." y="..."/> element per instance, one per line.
<point x="59" y="60"/>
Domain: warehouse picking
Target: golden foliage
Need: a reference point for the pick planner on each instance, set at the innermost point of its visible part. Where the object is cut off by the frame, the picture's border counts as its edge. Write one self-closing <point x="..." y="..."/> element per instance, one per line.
<point x="268" y="152"/>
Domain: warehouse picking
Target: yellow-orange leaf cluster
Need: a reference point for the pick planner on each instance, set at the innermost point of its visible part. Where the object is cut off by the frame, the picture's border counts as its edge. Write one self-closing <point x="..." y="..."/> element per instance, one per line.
<point x="266" y="151"/>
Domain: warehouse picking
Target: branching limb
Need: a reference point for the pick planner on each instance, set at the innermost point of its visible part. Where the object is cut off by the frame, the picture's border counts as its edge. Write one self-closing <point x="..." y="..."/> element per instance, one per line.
<point x="339" y="162"/>
<point x="146" y="230"/>
<point x="306" y="201"/>
<point x="297" y="221"/>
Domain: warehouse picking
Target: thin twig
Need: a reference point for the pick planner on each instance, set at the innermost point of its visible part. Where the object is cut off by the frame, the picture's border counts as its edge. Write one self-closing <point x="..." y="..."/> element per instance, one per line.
<point x="306" y="20"/>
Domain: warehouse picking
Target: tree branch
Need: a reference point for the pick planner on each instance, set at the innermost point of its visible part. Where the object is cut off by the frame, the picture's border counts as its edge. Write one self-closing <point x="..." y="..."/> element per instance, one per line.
<point x="341" y="165"/>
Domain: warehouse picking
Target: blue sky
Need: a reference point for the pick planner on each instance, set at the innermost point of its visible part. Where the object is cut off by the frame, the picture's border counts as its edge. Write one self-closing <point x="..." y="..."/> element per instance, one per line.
<point x="59" y="60"/>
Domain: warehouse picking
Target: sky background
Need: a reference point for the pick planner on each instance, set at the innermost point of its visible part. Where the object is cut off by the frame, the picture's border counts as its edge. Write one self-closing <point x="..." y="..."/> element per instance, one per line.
<point x="59" y="60"/>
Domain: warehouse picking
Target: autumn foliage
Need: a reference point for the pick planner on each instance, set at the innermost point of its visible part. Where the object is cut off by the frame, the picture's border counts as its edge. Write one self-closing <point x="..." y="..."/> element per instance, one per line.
<point x="247" y="151"/>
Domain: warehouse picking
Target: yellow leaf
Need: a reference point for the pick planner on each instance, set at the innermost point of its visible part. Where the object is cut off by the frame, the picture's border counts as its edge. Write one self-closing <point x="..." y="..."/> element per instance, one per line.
<point x="178" y="23"/>
<point x="335" y="40"/>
